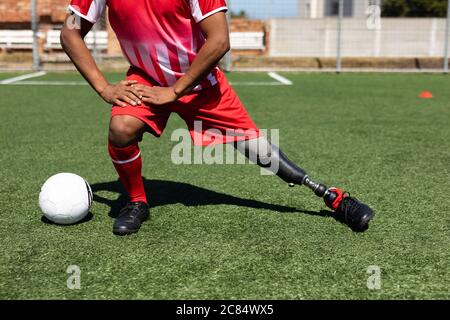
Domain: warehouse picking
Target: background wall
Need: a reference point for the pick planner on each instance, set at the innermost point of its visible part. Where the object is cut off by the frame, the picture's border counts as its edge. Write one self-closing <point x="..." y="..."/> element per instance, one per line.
<point x="398" y="37"/>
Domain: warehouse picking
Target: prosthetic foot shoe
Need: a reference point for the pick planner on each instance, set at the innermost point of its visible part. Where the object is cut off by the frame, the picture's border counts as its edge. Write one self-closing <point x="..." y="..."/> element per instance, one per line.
<point x="349" y="210"/>
<point x="131" y="218"/>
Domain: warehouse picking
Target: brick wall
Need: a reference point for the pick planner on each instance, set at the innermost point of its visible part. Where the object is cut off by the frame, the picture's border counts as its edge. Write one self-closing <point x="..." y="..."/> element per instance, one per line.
<point x="244" y="25"/>
<point x="17" y="12"/>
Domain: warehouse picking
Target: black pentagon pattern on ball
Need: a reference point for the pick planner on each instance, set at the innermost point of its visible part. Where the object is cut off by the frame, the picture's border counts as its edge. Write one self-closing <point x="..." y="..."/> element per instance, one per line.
<point x="89" y="191"/>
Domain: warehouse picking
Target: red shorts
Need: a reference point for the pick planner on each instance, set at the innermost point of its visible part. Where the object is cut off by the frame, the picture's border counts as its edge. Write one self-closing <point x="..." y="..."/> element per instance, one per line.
<point x="213" y="115"/>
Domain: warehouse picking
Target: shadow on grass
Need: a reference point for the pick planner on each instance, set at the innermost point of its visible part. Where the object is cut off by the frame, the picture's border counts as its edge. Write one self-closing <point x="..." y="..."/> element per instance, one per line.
<point x="161" y="193"/>
<point x="88" y="218"/>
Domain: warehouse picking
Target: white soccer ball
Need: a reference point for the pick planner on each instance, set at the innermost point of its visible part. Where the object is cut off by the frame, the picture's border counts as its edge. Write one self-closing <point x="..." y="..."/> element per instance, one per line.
<point x="65" y="198"/>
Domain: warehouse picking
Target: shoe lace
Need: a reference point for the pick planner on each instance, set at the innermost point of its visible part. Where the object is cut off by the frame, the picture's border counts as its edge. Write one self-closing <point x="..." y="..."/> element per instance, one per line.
<point x="125" y="209"/>
<point x="349" y="206"/>
<point x="131" y="210"/>
<point x="134" y="209"/>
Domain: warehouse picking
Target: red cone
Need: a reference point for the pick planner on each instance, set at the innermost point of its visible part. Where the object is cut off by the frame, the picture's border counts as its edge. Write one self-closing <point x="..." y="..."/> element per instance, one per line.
<point x="426" y="95"/>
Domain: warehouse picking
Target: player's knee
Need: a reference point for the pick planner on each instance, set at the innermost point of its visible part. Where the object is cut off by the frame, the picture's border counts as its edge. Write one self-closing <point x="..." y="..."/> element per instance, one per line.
<point x="122" y="133"/>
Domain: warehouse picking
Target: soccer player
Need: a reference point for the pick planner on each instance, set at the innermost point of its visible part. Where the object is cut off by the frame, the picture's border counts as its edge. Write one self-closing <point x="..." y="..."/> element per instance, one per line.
<point x="173" y="47"/>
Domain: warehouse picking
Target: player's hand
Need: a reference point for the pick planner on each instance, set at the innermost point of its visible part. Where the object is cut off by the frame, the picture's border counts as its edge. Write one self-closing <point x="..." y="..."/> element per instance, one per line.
<point x="157" y="95"/>
<point x="122" y="94"/>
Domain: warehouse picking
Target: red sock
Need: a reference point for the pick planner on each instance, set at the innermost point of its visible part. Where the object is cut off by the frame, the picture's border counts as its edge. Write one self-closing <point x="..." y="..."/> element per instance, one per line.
<point x="128" y="164"/>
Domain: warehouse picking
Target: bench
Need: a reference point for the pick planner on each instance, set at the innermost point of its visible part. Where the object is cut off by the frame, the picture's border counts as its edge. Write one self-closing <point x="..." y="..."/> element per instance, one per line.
<point x="23" y="39"/>
<point x="16" y="39"/>
<point x="53" y="42"/>
<point x="247" y="40"/>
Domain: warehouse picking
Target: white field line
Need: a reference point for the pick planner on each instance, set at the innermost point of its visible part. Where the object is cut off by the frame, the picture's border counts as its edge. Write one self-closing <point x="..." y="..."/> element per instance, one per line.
<point x="256" y="83"/>
<point x="23" y="77"/>
<point x="81" y="83"/>
<point x="49" y="83"/>
<point x="280" y="78"/>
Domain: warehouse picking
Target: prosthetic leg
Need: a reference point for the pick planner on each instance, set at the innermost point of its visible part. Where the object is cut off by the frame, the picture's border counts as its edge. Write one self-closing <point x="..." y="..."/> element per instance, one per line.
<point x="354" y="213"/>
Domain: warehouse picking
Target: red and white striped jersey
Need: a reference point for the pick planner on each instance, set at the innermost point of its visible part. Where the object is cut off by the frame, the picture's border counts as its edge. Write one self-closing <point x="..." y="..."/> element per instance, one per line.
<point x="161" y="37"/>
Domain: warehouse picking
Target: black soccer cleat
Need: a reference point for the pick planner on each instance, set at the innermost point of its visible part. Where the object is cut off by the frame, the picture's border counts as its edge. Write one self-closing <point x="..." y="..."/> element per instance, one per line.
<point x="349" y="210"/>
<point x="131" y="218"/>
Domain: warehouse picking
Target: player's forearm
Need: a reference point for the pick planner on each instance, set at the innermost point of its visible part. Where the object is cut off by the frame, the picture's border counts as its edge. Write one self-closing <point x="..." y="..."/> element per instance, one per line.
<point x="81" y="57"/>
<point x="207" y="58"/>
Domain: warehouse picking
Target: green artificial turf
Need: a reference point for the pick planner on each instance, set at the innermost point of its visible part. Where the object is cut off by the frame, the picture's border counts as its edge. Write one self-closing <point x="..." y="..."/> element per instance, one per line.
<point x="225" y="231"/>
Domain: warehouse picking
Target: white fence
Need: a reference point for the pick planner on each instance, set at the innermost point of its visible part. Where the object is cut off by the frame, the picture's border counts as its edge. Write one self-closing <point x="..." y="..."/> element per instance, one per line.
<point x="99" y="39"/>
<point x="247" y="40"/>
<point x="16" y="39"/>
<point x="23" y="39"/>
